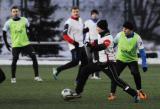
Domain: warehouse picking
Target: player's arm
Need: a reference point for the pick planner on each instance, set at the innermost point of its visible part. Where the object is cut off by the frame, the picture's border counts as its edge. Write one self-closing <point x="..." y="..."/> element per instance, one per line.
<point x="85" y="35"/>
<point x="116" y="39"/>
<point x="142" y="55"/>
<point x="85" y="30"/>
<point x="104" y="45"/>
<point x="28" y="29"/>
<point x="68" y="38"/>
<point x="5" y="29"/>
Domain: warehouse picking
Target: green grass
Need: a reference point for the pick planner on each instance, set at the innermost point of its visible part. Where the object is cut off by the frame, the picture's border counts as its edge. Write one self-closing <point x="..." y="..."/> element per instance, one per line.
<point x="28" y="94"/>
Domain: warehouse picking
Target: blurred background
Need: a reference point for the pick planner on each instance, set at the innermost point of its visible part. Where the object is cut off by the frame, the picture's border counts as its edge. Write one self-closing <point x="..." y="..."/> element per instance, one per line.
<point x="48" y="16"/>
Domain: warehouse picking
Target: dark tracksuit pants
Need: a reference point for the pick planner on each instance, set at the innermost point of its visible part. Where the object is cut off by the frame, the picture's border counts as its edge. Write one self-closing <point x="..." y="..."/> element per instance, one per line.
<point x="133" y="66"/>
<point x="26" y="50"/>
<point x="96" y="57"/>
<point x="91" y="56"/>
<point x="78" y="55"/>
<point x="109" y="69"/>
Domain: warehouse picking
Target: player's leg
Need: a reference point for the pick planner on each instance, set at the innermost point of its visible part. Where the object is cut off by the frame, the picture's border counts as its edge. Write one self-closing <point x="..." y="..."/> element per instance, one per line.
<point x="83" y="76"/>
<point x="73" y="63"/>
<point x="2" y="76"/>
<point x="83" y="59"/>
<point x="30" y="51"/>
<point x="15" y="53"/>
<point x="133" y="66"/>
<point x="96" y="75"/>
<point x="114" y="77"/>
<point x="119" y="68"/>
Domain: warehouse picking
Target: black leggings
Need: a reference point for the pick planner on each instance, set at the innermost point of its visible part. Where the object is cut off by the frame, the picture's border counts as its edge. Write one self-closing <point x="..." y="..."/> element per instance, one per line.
<point x="133" y="66"/>
<point x="26" y="50"/>
<point x="109" y="69"/>
<point x="78" y="55"/>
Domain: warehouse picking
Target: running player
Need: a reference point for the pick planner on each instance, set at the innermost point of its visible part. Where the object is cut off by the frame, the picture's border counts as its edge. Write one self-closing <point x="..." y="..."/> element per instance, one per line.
<point x="128" y="42"/>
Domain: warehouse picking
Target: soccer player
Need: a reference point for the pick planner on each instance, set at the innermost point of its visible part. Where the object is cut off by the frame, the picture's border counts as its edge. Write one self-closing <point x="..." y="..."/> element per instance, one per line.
<point x="73" y="34"/>
<point x="105" y="63"/>
<point x="128" y="42"/>
<point x="92" y="36"/>
<point x="17" y="27"/>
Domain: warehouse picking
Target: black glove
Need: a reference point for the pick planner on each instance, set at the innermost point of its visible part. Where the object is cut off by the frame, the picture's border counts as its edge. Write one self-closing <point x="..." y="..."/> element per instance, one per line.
<point x="145" y="69"/>
<point x="88" y="44"/>
<point x="85" y="30"/>
<point x="8" y="47"/>
<point x="76" y="44"/>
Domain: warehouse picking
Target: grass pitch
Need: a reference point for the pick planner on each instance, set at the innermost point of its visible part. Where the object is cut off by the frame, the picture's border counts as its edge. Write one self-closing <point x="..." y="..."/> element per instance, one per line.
<point x="29" y="94"/>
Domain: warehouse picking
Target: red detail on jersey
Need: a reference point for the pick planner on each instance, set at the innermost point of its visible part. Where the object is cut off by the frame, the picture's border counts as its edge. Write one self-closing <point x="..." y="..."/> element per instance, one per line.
<point x="68" y="39"/>
<point x="75" y="18"/>
<point x="107" y="42"/>
<point x="93" y="43"/>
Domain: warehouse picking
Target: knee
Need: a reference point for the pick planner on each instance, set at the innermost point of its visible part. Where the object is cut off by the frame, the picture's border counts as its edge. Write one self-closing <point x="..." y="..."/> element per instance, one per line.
<point x="75" y="62"/>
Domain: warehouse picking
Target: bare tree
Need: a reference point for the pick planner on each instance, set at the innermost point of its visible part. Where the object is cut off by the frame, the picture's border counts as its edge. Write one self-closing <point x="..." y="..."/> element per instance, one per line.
<point x="145" y="14"/>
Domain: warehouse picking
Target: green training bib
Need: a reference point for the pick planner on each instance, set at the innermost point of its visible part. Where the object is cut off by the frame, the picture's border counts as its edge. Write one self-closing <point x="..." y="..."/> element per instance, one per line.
<point x="18" y="33"/>
<point x="127" y="49"/>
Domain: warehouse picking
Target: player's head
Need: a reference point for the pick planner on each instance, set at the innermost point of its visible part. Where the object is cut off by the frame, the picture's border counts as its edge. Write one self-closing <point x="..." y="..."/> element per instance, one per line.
<point x="15" y="12"/>
<point x="94" y="14"/>
<point x="75" y="12"/>
<point x="102" y="26"/>
<point x="128" y="28"/>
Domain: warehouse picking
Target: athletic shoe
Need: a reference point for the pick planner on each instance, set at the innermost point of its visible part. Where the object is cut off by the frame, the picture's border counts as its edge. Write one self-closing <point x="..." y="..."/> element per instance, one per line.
<point x="111" y="97"/>
<point x="55" y="73"/>
<point x="37" y="78"/>
<point x="74" y="95"/>
<point x="13" y="80"/>
<point x="95" y="77"/>
<point x="142" y="95"/>
<point x="136" y="99"/>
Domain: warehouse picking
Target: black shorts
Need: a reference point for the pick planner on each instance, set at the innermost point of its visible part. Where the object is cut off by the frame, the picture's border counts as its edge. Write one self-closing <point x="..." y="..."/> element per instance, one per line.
<point x="25" y="50"/>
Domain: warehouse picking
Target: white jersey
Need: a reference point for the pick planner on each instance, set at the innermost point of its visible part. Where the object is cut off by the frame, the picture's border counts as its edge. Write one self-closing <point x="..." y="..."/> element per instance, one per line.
<point x="75" y="31"/>
<point x="92" y="34"/>
<point x="108" y="53"/>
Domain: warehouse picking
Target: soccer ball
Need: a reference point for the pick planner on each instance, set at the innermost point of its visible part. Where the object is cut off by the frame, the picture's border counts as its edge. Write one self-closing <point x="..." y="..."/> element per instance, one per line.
<point x="66" y="92"/>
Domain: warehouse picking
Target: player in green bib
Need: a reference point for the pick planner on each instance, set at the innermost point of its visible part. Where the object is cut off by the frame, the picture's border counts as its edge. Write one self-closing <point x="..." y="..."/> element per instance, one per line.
<point x="128" y="43"/>
<point x="17" y="27"/>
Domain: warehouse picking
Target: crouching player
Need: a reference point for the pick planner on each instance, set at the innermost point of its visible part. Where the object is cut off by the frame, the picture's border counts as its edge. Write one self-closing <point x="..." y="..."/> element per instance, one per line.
<point x="105" y="48"/>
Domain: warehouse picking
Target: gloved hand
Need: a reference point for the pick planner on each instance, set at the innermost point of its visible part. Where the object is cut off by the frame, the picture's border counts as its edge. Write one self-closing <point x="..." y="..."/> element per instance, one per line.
<point x="85" y="30"/>
<point x="145" y="69"/>
<point x="88" y="44"/>
<point x="76" y="44"/>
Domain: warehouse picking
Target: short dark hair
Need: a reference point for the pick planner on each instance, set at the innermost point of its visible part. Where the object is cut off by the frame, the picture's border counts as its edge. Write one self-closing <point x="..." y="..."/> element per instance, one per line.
<point x="14" y="7"/>
<point x="129" y="25"/>
<point x="74" y="8"/>
<point x="94" y="11"/>
<point x="103" y="24"/>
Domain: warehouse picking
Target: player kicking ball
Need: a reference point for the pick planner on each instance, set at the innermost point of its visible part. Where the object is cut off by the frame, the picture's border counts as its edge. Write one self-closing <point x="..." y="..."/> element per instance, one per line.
<point x="17" y="27"/>
<point x="107" y="64"/>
